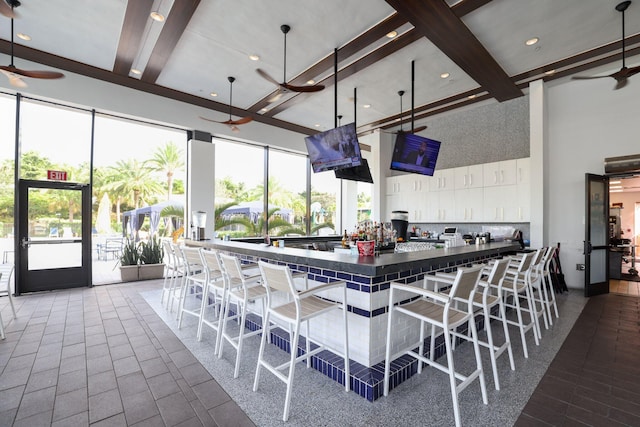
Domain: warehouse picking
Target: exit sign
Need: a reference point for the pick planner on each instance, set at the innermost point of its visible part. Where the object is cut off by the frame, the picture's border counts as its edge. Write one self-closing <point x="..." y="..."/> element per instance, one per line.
<point x="57" y="175"/>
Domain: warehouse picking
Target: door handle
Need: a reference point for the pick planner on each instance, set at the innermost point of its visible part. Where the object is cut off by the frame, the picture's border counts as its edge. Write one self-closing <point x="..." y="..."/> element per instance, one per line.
<point x="587" y="248"/>
<point x="25" y="242"/>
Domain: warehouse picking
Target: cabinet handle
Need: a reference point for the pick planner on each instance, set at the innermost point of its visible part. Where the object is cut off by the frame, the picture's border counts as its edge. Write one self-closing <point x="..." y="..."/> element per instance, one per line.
<point x="470" y="180"/>
<point x="519" y="174"/>
<point x="444" y="181"/>
<point x="495" y="213"/>
<point x="495" y="177"/>
<point x="464" y="181"/>
<point x="502" y="214"/>
<point x="519" y="212"/>
<point x="502" y="176"/>
<point x="470" y="214"/>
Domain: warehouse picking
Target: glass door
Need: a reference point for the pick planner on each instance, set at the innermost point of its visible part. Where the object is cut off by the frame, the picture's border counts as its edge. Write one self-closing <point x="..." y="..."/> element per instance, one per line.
<point x="596" y="240"/>
<point x="53" y="248"/>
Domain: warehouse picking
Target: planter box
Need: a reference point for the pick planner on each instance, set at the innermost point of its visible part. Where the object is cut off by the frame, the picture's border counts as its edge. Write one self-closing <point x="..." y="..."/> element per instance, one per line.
<point x="150" y="271"/>
<point x="129" y="273"/>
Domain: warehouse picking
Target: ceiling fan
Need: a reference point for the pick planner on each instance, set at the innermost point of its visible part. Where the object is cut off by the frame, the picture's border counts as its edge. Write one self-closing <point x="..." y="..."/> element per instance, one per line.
<point x="15" y="74"/>
<point x="6" y="10"/>
<point x="284" y="87"/>
<point x="232" y="123"/>
<point x="621" y="75"/>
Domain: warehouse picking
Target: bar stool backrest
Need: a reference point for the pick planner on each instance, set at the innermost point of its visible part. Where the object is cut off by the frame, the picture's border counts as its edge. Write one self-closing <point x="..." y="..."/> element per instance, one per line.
<point x="192" y="260"/>
<point x="465" y="283"/>
<point x="526" y="262"/>
<point x="211" y="261"/>
<point x="233" y="270"/>
<point x="498" y="271"/>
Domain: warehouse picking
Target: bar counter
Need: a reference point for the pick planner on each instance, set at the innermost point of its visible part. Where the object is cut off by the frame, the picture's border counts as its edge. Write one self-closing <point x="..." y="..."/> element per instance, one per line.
<point x="367" y="280"/>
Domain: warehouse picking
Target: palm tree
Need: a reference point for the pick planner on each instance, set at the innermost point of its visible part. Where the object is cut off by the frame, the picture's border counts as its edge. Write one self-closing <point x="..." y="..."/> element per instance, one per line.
<point x="134" y="181"/>
<point x="167" y="159"/>
<point x="274" y="224"/>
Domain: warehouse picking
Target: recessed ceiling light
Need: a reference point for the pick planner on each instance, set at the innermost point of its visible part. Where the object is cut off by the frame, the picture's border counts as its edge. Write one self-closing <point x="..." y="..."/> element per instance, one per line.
<point x="392" y="34"/>
<point x="615" y="191"/>
<point x="615" y="182"/>
<point x="24" y="36"/>
<point x="213" y="94"/>
<point x="317" y="125"/>
<point x="366" y="106"/>
<point x="471" y="96"/>
<point x="550" y="72"/>
<point x="136" y="71"/>
<point x="612" y="187"/>
<point x="264" y="110"/>
<point x="254" y="57"/>
<point x="444" y="75"/>
<point x="157" y="16"/>
<point x="310" y="82"/>
<point x="532" y="41"/>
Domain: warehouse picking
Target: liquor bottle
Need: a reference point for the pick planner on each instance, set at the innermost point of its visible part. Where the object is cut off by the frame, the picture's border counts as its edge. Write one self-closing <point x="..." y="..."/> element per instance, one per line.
<point x="345" y="239"/>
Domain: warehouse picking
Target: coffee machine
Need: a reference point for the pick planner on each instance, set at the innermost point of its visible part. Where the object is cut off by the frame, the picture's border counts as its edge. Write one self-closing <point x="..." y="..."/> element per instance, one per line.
<point x="198" y="221"/>
<point x="400" y="224"/>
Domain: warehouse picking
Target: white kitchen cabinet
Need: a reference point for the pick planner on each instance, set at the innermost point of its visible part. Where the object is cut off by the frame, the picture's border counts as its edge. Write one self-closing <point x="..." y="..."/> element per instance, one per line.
<point x="442" y="180"/>
<point x="440" y="206"/>
<point x="523" y="171"/>
<point x="500" y="173"/>
<point x="500" y="203"/>
<point x="469" y="205"/>
<point x="466" y="177"/>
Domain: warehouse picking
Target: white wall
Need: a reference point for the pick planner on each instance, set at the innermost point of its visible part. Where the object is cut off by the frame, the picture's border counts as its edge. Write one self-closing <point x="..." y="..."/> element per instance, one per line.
<point x="587" y="122"/>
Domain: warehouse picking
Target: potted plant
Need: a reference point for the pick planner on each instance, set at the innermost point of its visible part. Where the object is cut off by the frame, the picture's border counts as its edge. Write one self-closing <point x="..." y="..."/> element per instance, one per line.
<point x="129" y="260"/>
<point x="151" y="260"/>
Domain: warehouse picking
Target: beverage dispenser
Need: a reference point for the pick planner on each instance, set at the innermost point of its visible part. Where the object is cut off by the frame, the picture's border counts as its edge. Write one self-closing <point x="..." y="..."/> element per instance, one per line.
<point x="199" y="220"/>
<point x="400" y="223"/>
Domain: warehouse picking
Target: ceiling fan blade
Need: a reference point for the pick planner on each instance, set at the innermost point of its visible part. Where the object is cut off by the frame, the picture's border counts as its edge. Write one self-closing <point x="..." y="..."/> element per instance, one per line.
<point x="14" y="79"/>
<point x="633" y="71"/>
<point x="292" y="88"/>
<point x="240" y="121"/>
<point x="418" y="129"/>
<point x="622" y="82"/>
<point x="588" y="77"/>
<point x="267" y="77"/>
<point x="7" y="10"/>
<point x="32" y="74"/>
<point x="211" y="120"/>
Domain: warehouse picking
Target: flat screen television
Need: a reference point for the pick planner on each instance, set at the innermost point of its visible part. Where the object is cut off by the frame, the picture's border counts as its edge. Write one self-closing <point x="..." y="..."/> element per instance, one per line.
<point x="416" y="154"/>
<point x="334" y="149"/>
<point x="356" y="173"/>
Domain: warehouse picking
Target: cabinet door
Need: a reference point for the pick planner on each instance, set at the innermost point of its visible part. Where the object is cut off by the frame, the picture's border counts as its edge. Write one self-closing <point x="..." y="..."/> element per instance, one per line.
<point x="443" y="180"/>
<point x="446" y="206"/>
<point x="461" y="178"/>
<point x="394" y="184"/>
<point x="500" y="204"/>
<point x="523" y="171"/>
<point x="475" y="176"/>
<point x="469" y="205"/>
<point x="499" y="173"/>
<point x="523" y="213"/>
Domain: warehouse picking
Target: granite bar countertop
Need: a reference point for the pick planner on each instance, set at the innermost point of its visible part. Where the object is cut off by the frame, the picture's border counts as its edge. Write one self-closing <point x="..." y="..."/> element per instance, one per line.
<point x="367" y="266"/>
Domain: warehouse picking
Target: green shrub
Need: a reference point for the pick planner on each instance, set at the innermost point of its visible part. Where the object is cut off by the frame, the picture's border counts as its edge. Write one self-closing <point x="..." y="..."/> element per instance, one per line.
<point x="130" y="253"/>
<point x="151" y="252"/>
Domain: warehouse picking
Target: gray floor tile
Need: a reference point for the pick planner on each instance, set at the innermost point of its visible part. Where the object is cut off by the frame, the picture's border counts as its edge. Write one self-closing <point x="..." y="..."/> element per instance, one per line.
<point x="139" y="407"/>
<point x="46" y="362"/>
<point x="183" y="358"/>
<point x="36" y="402"/>
<point x="121" y="351"/>
<point x="230" y="414"/>
<point x="104" y="381"/>
<point x="43" y="379"/>
<point x="10" y="398"/>
<point x="126" y="366"/>
<point x="104" y="405"/>
<point x="13" y="378"/>
<point x="74" y="363"/>
<point x="211" y="394"/>
<point x="73" y="350"/>
<point x="42" y="419"/>
<point x="69" y="404"/>
<point x="99" y="364"/>
<point x="153" y="367"/>
<point x="71" y="381"/>
<point x="70" y="339"/>
<point x="191" y="422"/>
<point x="145" y="351"/>
<point x="117" y="420"/>
<point x="77" y="420"/>
<point x="98" y="350"/>
<point x="132" y="384"/>
<point x="175" y="409"/>
<point x="150" y="422"/>
<point x="117" y="340"/>
<point x="20" y="362"/>
<point x="163" y="385"/>
<point x="95" y="339"/>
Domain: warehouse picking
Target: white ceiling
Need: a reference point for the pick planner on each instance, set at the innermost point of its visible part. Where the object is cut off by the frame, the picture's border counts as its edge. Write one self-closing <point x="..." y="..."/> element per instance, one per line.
<point x="222" y="33"/>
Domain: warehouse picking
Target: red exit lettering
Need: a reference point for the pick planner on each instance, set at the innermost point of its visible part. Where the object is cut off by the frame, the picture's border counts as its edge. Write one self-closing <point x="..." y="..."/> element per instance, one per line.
<point x="57" y="175"/>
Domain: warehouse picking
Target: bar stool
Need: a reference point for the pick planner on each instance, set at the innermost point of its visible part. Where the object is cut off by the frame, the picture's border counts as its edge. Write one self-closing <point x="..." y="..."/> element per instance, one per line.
<point x="304" y="306"/>
<point x="548" y="284"/>
<point x="193" y="283"/>
<point x="516" y="286"/>
<point x="537" y="290"/>
<point x="1" y="324"/>
<point x="170" y="271"/>
<point x="175" y="286"/>
<point x="241" y="289"/>
<point x="438" y="309"/>
<point x="213" y="288"/>
<point x="6" y="271"/>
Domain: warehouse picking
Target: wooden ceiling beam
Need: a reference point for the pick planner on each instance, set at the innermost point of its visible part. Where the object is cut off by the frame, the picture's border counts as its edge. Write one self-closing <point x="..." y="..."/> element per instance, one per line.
<point x="135" y="20"/>
<point x="437" y="22"/>
<point x="173" y="28"/>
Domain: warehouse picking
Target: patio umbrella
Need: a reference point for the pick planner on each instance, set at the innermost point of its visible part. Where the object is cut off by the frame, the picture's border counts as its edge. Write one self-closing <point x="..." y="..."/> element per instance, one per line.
<point x="103" y="220"/>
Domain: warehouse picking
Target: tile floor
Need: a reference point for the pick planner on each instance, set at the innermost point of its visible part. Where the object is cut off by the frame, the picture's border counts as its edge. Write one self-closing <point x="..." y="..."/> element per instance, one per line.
<point x="112" y="355"/>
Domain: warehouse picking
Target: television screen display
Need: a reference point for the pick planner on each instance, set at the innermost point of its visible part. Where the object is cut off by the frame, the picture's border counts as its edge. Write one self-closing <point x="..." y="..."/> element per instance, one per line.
<point x="413" y="153"/>
<point x="356" y="173"/>
<point x="334" y="149"/>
